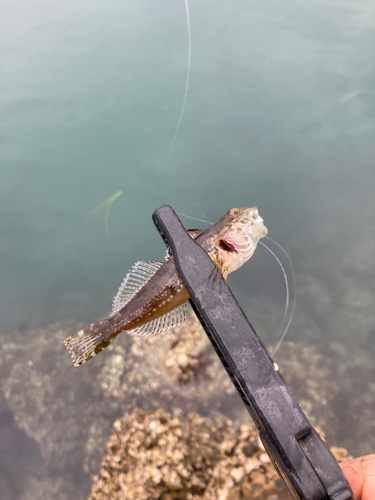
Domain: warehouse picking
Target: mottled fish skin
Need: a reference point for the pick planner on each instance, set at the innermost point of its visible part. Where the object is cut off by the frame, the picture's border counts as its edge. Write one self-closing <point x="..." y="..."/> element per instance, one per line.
<point x="230" y="243"/>
<point x="165" y="291"/>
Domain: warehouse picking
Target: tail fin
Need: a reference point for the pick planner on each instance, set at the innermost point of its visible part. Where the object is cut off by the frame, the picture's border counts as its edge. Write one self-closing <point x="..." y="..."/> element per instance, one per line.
<point x="86" y="344"/>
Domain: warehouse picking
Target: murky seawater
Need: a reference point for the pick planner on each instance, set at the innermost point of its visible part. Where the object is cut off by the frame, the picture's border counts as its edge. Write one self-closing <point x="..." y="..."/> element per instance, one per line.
<point x="280" y="114"/>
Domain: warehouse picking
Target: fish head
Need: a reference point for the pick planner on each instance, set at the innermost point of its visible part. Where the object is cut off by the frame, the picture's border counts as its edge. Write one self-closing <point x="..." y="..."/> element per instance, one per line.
<point x="235" y="243"/>
<point x="247" y="220"/>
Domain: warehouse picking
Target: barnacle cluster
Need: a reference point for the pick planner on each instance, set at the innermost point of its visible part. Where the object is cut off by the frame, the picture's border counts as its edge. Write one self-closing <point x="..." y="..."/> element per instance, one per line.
<point x="157" y="455"/>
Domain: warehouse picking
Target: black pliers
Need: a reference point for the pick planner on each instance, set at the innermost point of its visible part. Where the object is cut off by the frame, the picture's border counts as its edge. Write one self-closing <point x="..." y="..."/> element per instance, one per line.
<point x="298" y="453"/>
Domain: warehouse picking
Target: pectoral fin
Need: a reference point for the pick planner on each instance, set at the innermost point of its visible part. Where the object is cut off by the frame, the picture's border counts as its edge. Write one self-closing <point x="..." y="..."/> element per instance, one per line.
<point x="140" y="274"/>
<point x="166" y="322"/>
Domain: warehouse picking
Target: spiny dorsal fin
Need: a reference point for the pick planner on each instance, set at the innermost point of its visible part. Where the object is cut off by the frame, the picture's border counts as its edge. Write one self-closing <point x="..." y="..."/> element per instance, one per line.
<point x="194" y="233"/>
<point x="140" y="274"/>
<point x="166" y="322"/>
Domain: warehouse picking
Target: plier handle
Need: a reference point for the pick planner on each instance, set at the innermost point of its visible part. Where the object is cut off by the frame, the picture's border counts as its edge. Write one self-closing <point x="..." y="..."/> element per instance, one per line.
<point x="298" y="453"/>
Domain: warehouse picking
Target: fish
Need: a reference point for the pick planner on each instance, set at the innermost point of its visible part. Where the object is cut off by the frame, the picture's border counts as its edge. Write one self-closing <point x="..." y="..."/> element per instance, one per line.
<point x="152" y="297"/>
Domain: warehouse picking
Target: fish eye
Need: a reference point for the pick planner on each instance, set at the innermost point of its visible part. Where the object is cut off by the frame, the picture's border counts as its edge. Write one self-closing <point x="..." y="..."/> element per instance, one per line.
<point x="233" y="212"/>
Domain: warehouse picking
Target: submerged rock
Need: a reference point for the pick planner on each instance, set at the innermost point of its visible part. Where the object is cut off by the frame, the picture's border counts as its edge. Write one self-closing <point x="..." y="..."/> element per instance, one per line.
<point x="160" y="456"/>
<point x="66" y="413"/>
<point x="334" y="389"/>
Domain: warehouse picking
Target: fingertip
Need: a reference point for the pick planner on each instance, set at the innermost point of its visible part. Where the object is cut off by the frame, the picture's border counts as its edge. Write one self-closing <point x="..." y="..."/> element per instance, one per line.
<point x="360" y="473"/>
<point x="368" y="471"/>
<point x="353" y="472"/>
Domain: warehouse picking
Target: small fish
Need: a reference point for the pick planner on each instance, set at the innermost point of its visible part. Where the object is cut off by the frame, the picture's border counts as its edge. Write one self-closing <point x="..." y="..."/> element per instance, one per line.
<point x="152" y="297"/>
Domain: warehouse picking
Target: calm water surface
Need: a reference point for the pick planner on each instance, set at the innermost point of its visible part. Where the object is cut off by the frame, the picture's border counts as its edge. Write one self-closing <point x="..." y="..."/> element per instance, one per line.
<point x="280" y="114"/>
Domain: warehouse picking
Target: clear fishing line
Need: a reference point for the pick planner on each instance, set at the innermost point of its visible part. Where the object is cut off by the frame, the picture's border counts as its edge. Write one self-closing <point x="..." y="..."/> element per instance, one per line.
<point x="286" y="283"/>
<point x="294" y="292"/>
<point x="187" y="84"/>
<point x="187" y="80"/>
<point x="195" y="218"/>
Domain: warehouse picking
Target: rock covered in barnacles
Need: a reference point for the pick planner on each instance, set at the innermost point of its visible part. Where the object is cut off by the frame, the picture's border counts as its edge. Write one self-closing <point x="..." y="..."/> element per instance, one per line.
<point x="157" y="455"/>
<point x="263" y="483"/>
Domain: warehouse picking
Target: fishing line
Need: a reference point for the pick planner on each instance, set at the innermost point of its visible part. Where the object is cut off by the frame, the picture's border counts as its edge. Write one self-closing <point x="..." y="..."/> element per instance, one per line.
<point x="285" y="279"/>
<point x="194" y="218"/>
<point x="294" y="292"/>
<point x="286" y="283"/>
<point x="187" y="80"/>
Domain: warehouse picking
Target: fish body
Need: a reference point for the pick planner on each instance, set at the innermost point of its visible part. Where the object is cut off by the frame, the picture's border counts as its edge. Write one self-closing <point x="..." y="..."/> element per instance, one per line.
<point x="163" y="292"/>
<point x="152" y="296"/>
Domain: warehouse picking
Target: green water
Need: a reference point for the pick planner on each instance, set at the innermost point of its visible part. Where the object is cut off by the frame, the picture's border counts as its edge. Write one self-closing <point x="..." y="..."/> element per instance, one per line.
<point x="90" y="97"/>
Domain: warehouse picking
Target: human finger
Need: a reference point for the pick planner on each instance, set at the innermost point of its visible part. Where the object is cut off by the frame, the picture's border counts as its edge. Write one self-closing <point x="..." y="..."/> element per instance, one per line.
<point x="360" y="473"/>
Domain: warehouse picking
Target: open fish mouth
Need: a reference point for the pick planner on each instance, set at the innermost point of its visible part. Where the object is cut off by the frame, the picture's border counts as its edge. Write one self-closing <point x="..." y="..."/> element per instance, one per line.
<point x="227" y="246"/>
